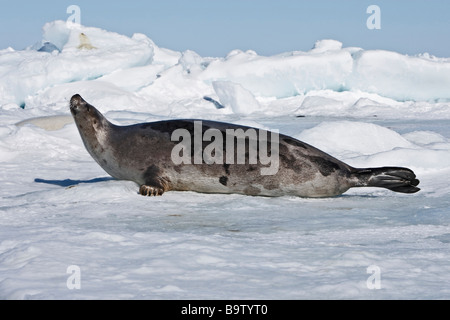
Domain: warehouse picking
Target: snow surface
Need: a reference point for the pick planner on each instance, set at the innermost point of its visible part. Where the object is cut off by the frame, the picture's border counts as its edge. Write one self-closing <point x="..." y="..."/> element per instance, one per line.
<point x="58" y="208"/>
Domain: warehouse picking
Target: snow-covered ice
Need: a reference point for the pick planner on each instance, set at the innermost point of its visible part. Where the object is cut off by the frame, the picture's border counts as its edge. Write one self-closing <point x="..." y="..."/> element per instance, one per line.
<point x="58" y="208"/>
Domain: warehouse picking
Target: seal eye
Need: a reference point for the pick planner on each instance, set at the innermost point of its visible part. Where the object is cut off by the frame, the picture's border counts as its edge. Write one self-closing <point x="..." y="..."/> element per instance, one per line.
<point x="88" y="109"/>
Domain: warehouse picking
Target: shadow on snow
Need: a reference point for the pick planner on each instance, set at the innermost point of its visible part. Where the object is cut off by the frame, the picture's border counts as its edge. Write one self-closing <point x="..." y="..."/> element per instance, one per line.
<point x="70" y="182"/>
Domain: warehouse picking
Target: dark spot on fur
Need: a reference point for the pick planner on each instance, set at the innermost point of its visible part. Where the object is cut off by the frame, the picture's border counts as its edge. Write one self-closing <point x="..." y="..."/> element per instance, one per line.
<point x="223" y="180"/>
<point x="271" y="184"/>
<point x="252" y="191"/>
<point x="290" y="161"/>
<point x="226" y="166"/>
<point x="296" y="143"/>
<point x="325" y="166"/>
<point x="170" y="126"/>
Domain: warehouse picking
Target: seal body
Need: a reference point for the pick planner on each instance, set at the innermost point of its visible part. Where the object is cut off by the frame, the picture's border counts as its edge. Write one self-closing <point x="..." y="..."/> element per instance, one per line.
<point x="155" y="157"/>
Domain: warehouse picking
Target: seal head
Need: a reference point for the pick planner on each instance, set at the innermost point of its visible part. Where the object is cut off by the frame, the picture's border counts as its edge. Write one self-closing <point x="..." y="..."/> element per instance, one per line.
<point x="92" y="125"/>
<point x="94" y="130"/>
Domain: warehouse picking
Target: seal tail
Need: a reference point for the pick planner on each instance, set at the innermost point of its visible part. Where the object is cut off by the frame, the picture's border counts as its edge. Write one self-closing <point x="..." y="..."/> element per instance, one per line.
<point x="397" y="179"/>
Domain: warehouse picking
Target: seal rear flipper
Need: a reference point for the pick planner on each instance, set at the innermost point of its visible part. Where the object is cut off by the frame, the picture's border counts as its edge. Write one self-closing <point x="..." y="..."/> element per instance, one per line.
<point x="397" y="179"/>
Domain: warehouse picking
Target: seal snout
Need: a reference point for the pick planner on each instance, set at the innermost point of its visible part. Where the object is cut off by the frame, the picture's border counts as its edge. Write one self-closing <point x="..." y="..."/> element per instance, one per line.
<point x="75" y="102"/>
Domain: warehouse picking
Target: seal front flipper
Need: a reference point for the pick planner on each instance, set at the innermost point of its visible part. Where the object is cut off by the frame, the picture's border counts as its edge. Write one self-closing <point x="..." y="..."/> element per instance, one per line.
<point x="154" y="183"/>
<point x="150" y="191"/>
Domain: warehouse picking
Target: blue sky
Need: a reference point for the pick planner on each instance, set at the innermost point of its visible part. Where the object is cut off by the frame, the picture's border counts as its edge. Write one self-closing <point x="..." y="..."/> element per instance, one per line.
<point x="213" y="28"/>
